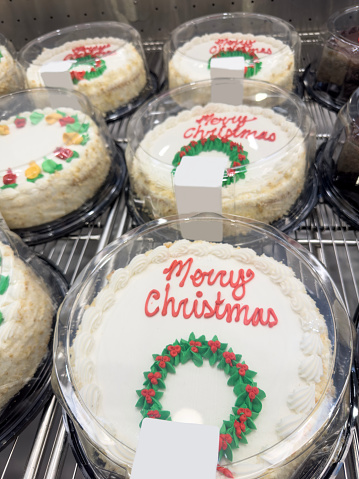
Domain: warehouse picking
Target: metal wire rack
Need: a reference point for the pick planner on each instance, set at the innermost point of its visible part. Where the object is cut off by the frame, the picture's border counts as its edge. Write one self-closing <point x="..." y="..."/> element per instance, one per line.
<point x="42" y="449"/>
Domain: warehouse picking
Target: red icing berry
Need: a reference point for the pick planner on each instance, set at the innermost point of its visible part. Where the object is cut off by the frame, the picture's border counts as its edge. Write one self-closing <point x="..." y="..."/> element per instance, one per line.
<point x="229" y="357"/>
<point x="174" y="350"/>
<point x="153" y="377"/>
<point x="162" y="361"/>
<point x="230" y="172"/>
<point x="182" y="154"/>
<point x="148" y="394"/>
<point x="153" y="414"/>
<point x="63" y="153"/>
<point x="9" y="178"/>
<point x="226" y="472"/>
<point x="224" y="440"/>
<point x="252" y="391"/>
<point x="66" y="120"/>
<point x="20" y="122"/>
<point x="203" y="141"/>
<point x="213" y="137"/>
<point x="76" y="75"/>
<point x="242" y="368"/>
<point x="193" y="143"/>
<point x="214" y="345"/>
<point x="247" y="412"/>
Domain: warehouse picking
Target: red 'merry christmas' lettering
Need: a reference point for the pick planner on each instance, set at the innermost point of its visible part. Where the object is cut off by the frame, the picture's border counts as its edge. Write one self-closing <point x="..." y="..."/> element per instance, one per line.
<point x="225" y="44"/>
<point x="236" y="280"/>
<point x="226" y="127"/>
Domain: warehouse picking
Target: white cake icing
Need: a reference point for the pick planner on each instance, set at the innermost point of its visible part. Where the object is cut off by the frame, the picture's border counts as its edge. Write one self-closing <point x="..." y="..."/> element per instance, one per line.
<point x="11" y="78"/>
<point x="276" y="153"/>
<point x="128" y="322"/>
<point x="26" y="320"/>
<point x="33" y="141"/>
<point x="122" y="80"/>
<point x="190" y="62"/>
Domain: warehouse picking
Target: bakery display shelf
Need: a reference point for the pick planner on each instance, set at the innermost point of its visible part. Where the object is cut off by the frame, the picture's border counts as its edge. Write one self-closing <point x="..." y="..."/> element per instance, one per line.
<point x="42" y="450"/>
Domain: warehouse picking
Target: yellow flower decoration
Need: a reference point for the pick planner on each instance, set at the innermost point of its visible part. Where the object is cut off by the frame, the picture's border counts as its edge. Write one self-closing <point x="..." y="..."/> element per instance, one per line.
<point x="72" y="138"/>
<point x="4" y="130"/>
<point x="53" y="118"/>
<point x="33" y="171"/>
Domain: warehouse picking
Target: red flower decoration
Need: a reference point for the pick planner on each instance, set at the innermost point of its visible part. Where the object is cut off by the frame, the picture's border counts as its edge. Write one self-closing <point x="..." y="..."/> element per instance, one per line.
<point x="203" y="141"/>
<point x="9" y="178"/>
<point x="153" y="377"/>
<point x="224" y="140"/>
<point x="252" y="392"/>
<point x="214" y="345"/>
<point x="224" y="440"/>
<point x="174" y="350"/>
<point x="213" y="137"/>
<point x="153" y="414"/>
<point x="193" y="143"/>
<point x="229" y="357"/>
<point x="66" y="120"/>
<point x="148" y="394"/>
<point x="187" y="148"/>
<point x="63" y="153"/>
<point x="182" y="154"/>
<point x="242" y="368"/>
<point x="162" y="361"/>
<point x="20" y="122"/>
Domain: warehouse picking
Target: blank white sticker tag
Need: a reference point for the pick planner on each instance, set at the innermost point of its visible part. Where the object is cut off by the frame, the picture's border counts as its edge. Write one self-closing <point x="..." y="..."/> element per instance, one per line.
<point x="176" y="450"/>
<point x="57" y="75"/>
<point x="229" y="92"/>
<point x="198" y="189"/>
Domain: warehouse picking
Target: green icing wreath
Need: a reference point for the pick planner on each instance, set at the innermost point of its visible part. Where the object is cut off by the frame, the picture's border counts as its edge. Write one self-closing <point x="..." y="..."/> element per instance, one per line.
<point x="247" y="405"/>
<point x="98" y="67"/>
<point x="236" y="155"/>
<point x="252" y="63"/>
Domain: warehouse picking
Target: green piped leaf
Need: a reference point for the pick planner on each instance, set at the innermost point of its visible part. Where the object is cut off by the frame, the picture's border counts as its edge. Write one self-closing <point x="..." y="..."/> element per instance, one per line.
<point x="4" y="283"/>
<point x="36" y="117"/>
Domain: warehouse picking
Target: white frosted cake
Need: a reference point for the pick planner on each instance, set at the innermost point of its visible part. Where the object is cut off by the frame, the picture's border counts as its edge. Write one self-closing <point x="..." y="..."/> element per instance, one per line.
<point x="26" y="313"/>
<point x="263" y="187"/>
<point x="203" y="333"/>
<point x="51" y="163"/>
<point x="266" y="58"/>
<point x="10" y="77"/>
<point x="109" y="71"/>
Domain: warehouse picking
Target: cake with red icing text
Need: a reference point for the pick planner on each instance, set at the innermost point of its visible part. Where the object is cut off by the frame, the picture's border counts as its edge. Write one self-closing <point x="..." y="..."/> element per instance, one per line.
<point x="267" y="158"/>
<point x="109" y="71"/>
<point x="268" y="45"/>
<point x="203" y="333"/>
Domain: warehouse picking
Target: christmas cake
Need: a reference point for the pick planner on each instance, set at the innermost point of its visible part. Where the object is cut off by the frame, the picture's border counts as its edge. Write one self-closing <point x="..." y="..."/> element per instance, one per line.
<point x="204" y="333"/>
<point x="11" y="78"/>
<point x="109" y="71"/>
<point x="26" y="313"/>
<point x="265" y="58"/>
<point x="265" y="173"/>
<point x="52" y="161"/>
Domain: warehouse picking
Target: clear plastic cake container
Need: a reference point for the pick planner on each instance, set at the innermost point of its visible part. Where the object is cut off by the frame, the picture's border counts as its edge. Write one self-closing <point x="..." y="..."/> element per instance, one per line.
<point x="303" y="452"/>
<point x="31" y="290"/>
<point x="270" y="46"/>
<point x="11" y="74"/>
<point x="333" y="76"/>
<point x="105" y="59"/>
<point x="58" y="167"/>
<point x="339" y="162"/>
<point x="273" y="178"/>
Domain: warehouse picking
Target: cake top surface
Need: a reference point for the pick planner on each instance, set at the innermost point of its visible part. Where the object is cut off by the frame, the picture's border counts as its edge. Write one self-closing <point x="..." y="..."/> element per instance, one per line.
<point x="202" y="292"/>
<point x="52" y="138"/>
